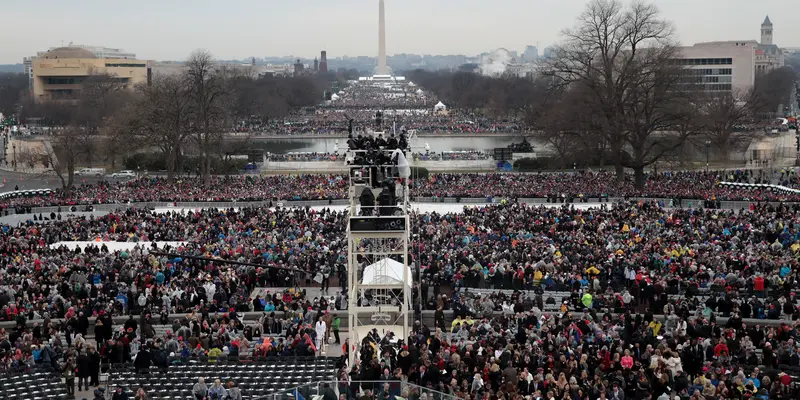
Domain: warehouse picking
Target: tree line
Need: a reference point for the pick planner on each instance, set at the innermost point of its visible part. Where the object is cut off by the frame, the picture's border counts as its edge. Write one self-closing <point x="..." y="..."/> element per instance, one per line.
<point x="614" y="93"/>
<point x="190" y="112"/>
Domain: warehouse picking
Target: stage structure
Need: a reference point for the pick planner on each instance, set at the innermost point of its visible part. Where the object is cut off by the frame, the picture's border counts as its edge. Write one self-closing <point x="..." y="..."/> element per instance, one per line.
<point x="379" y="277"/>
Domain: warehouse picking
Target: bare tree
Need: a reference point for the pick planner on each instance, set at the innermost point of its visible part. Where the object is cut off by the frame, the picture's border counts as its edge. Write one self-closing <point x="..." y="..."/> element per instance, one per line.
<point x="101" y="96"/>
<point x="163" y="117"/>
<point x="724" y="117"/>
<point x="621" y="59"/>
<point x="209" y="96"/>
<point x="63" y="165"/>
<point x="121" y="134"/>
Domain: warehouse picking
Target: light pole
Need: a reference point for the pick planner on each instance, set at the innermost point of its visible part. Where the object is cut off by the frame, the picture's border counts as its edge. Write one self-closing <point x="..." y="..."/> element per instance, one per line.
<point x="708" y="145"/>
<point x="14" y="147"/>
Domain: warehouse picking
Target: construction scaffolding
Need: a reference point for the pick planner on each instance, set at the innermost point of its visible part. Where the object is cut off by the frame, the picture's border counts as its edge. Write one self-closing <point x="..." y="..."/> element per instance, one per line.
<point x="379" y="277"/>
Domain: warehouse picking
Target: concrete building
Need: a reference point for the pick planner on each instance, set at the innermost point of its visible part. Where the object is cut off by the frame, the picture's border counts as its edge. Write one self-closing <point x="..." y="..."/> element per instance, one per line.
<point x="299" y="68"/>
<point x="98" y="51"/>
<point x="768" y="55"/>
<point x="531" y="54"/>
<point x="323" y="61"/>
<point x="27" y="63"/>
<point x="766" y="31"/>
<point x="721" y="66"/>
<point x="58" y="74"/>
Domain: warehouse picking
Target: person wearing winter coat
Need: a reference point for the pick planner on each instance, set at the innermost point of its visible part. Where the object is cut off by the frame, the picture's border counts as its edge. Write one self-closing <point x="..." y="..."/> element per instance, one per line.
<point x="234" y="393"/>
<point x="84" y="370"/>
<point x="200" y="390"/>
<point x="217" y="391"/>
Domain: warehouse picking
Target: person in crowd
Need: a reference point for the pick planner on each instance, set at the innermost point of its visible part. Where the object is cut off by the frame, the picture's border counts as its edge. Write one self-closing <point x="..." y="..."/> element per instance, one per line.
<point x="200" y="390"/>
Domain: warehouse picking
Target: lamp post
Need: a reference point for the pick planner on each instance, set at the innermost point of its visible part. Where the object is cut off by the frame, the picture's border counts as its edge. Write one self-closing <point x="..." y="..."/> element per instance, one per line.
<point x="708" y="145"/>
<point x="14" y="147"/>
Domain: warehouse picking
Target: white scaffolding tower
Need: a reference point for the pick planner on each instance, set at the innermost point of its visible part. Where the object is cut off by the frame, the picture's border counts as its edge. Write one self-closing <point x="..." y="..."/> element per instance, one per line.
<point x="379" y="278"/>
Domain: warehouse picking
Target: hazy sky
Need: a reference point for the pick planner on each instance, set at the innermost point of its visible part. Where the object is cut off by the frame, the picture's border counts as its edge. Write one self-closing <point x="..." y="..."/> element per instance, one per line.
<point x="171" y="29"/>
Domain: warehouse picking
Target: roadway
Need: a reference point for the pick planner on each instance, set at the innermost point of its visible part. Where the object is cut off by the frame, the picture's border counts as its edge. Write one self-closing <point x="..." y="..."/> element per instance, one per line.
<point x="9" y="180"/>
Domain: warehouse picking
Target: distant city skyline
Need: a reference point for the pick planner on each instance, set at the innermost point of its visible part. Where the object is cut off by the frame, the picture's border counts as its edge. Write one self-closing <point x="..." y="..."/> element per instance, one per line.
<point x="241" y="29"/>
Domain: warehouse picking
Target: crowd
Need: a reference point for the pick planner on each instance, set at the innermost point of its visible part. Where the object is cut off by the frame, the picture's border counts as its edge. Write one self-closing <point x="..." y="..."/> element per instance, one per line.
<point x="192" y="189"/>
<point x="508" y="246"/>
<point x="333" y="122"/>
<point x="628" y="258"/>
<point x="584" y="354"/>
<point x="452" y="156"/>
<point x="203" y="333"/>
<point x="391" y="95"/>
<point x="697" y="185"/>
<point x="618" y="334"/>
<point x="305" y="157"/>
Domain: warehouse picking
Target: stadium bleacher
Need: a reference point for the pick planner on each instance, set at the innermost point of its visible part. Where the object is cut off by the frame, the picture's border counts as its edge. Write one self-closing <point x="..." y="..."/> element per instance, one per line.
<point x="258" y="378"/>
<point x="38" y="383"/>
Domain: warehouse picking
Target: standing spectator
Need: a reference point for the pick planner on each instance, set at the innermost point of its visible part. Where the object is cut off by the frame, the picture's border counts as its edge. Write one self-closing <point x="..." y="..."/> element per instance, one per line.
<point x="84" y="370"/>
<point x="335" y="326"/>
<point x="68" y="373"/>
<point x="94" y="367"/>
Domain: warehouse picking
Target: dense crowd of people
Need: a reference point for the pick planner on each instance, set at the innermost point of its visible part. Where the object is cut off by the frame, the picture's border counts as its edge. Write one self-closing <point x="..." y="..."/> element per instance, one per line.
<point x="375" y="94"/>
<point x="698" y="185"/>
<point x="642" y="248"/>
<point x="586" y="354"/>
<point x="452" y="156"/>
<point x="333" y="122"/>
<point x="305" y="157"/>
<point x="405" y="106"/>
<point x="630" y="259"/>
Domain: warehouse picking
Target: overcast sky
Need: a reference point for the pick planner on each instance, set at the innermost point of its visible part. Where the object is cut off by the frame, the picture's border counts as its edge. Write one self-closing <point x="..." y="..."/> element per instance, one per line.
<point x="235" y="29"/>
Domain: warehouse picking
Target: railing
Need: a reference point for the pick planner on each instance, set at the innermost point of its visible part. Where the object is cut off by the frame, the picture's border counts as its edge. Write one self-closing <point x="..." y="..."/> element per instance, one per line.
<point x="352" y="390"/>
<point x="184" y="205"/>
<point x="683" y="203"/>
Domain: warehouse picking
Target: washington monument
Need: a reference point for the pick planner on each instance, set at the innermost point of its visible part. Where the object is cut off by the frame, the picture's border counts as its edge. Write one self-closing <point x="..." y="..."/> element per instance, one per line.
<point x="382" y="70"/>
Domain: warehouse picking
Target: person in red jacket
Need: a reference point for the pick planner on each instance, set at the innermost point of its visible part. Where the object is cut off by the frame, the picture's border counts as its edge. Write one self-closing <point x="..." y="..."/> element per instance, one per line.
<point x="758" y="284"/>
<point x="721" y="348"/>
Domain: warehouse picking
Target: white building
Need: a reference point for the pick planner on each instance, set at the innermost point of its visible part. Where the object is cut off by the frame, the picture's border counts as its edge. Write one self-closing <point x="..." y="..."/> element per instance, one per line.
<point x="27" y="62"/>
<point x="733" y="65"/>
<point x="721" y="66"/>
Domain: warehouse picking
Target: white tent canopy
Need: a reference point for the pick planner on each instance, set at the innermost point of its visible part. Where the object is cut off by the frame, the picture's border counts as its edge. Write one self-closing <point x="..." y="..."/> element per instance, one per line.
<point x="334" y="97"/>
<point x="386" y="272"/>
<point x="439" y="106"/>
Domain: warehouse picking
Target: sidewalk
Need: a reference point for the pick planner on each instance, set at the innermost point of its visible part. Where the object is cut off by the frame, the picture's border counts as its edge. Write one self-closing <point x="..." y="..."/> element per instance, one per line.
<point x="26" y="149"/>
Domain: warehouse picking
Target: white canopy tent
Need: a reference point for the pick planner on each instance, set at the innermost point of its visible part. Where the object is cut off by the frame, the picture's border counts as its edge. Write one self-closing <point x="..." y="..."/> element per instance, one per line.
<point x="334" y="97"/>
<point x="386" y="272"/>
<point x="439" y="107"/>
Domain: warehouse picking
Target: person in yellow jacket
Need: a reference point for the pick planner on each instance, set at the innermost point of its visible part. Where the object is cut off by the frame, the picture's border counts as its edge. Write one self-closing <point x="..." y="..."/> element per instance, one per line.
<point x="456" y="322"/>
<point x="537" y="275"/>
<point x="655" y="326"/>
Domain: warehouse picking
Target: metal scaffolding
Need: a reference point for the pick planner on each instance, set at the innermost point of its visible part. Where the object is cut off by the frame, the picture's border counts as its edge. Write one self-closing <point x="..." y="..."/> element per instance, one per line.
<point x="379" y="279"/>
